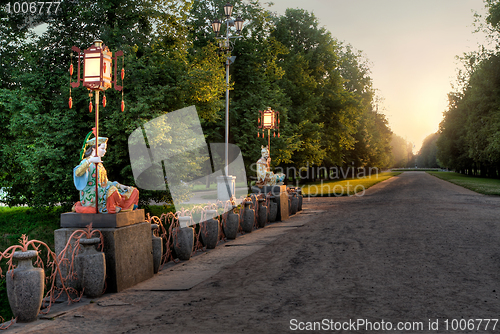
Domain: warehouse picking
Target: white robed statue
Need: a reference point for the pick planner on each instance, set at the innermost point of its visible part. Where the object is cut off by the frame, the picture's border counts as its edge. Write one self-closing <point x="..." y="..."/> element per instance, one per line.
<point x="264" y="175"/>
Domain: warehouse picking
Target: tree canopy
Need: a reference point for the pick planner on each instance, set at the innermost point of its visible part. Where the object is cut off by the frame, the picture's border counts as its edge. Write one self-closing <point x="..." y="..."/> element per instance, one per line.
<point x="321" y="86"/>
<point x="469" y="140"/>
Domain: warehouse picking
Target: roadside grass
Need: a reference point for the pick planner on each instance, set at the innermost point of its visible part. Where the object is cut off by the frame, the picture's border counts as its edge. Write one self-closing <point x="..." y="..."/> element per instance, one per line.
<point x="346" y="187"/>
<point x="416" y="169"/>
<point x="478" y="184"/>
<point x="213" y="186"/>
<point x="36" y="223"/>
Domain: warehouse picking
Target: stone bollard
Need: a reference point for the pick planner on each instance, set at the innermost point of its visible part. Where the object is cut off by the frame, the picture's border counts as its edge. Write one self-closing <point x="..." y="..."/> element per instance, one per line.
<point x="210" y="230"/>
<point x="91" y="268"/>
<point x="294" y="203"/>
<point x="273" y="209"/>
<point x="157" y="244"/>
<point x="262" y="213"/>
<point x="183" y="238"/>
<point x="231" y="225"/>
<point x="25" y="287"/>
<point x="248" y="218"/>
<point x="299" y="195"/>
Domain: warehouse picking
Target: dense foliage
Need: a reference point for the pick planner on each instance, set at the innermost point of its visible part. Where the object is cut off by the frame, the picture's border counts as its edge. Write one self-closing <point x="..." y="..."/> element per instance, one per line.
<point x="427" y="156"/>
<point x="469" y="139"/>
<point x="321" y="87"/>
<point x="402" y="152"/>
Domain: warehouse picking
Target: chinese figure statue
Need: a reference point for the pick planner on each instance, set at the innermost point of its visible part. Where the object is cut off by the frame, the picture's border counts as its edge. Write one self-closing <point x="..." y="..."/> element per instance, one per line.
<point x="264" y="175"/>
<point x="113" y="197"/>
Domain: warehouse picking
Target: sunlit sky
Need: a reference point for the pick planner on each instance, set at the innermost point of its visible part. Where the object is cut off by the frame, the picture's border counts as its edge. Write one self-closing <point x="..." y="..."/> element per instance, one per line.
<point x="411" y="45"/>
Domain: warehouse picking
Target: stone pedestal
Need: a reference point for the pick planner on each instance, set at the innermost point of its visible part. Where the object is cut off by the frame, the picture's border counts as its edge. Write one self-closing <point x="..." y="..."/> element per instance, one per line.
<point x="98" y="220"/>
<point x="225" y="187"/>
<point x="127" y="244"/>
<point x="281" y="199"/>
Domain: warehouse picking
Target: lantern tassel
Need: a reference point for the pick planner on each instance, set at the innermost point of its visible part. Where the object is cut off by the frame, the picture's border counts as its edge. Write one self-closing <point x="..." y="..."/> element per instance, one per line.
<point x="123" y="105"/>
<point x="104" y="101"/>
<point x="90" y="106"/>
<point x="70" y="102"/>
<point x="258" y="134"/>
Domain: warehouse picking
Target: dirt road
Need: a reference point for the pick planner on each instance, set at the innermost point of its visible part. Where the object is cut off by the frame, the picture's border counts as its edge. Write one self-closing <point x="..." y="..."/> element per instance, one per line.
<point x="414" y="252"/>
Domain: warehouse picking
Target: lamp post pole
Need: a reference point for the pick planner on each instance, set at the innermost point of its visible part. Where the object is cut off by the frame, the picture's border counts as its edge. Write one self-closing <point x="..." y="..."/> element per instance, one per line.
<point x="225" y="45"/>
<point x="96" y="151"/>
<point x="226" y="165"/>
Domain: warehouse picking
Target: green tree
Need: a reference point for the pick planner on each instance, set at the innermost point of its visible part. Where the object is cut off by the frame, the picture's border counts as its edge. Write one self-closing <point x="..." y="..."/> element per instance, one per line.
<point x="400" y="153"/>
<point x="427" y="156"/>
<point x="45" y="136"/>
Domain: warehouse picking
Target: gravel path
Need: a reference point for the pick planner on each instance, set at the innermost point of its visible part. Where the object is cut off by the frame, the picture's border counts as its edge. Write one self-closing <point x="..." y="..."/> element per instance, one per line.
<point x="414" y="249"/>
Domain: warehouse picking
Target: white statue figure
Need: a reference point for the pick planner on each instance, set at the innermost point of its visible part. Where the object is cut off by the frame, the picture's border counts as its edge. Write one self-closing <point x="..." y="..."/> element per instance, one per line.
<point x="264" y="175"/>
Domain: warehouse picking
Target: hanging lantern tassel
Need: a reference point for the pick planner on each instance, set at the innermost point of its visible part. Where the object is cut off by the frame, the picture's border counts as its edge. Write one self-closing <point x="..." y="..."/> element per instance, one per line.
<point x="104" y="101"/>
<point x="258" y="134"/>
<point x="123" y="105"/>
<point x="90" y="106"/>
<point x="278" y="134"/>
<point x="274" y="134"/>
<point x="123" y="73"/>
<point x="70" y="102"/>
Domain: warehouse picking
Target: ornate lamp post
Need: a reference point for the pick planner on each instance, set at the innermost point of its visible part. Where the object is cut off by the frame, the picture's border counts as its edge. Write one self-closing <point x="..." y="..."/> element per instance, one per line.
<point x="97" y="77"/>
<point x="269" y="120"/>
<point x="226" y="46"/>
<point x="226" y="183"/>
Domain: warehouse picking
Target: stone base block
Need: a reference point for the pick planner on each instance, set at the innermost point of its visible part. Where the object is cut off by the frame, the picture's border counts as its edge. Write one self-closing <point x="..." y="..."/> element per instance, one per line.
<point x="225" y="187"/>
<point x="98" y="220"/>
<point x="281" y="199"/>
<point x="128" y="251"/>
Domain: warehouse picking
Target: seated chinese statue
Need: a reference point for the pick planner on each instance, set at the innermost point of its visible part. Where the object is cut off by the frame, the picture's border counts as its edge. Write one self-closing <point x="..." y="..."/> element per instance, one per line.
<point x="264" y="175"/>
<point x="113" y="197"/>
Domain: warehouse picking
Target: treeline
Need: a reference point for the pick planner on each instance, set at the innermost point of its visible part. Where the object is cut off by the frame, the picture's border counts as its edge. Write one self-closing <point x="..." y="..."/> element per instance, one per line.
<point x="427" y="156"/>
<point x="402" y="152"/>
<point x="321" y="86"/>
<point x="469" y="139"/>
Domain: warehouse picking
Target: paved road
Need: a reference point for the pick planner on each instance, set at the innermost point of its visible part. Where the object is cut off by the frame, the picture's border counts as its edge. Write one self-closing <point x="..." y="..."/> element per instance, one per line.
<point x="411" y="249"/>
